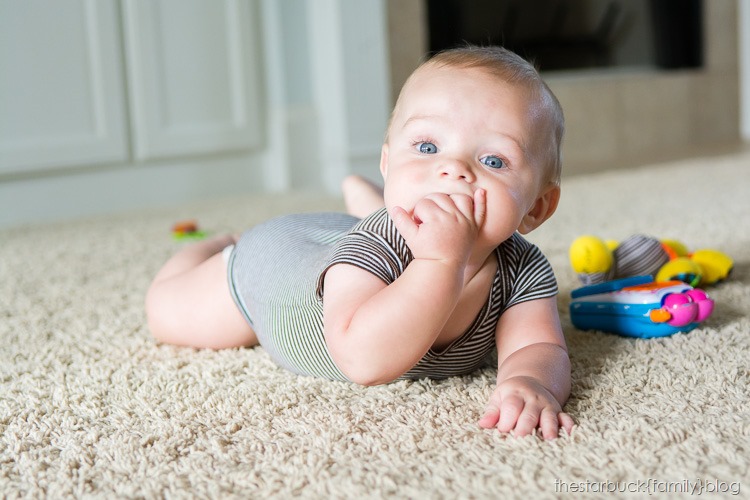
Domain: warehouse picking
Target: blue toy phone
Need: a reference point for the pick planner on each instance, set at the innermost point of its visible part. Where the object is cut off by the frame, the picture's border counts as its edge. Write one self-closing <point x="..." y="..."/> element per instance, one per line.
<point x="639" y="307"/>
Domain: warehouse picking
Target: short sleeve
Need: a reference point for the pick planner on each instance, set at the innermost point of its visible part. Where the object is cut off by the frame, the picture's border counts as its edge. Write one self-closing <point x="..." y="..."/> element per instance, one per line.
<point x="372" y="245"/>
<point x="527" y="272"/>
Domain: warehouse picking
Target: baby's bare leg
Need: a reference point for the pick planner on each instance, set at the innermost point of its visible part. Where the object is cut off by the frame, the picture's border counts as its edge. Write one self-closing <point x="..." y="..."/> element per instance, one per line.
<point x="189" y="302"/>
<point x="193" y="255"/>
<point x="361" y="196"/>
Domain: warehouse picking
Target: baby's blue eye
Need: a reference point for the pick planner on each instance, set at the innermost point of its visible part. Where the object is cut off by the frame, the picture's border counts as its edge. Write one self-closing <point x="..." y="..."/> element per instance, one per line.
<point x="492" y="162"/>
<point x="427" y="148"/>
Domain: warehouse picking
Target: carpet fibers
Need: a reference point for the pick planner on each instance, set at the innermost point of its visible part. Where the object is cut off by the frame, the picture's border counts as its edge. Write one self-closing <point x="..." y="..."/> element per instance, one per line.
<point x="90" y="406"/>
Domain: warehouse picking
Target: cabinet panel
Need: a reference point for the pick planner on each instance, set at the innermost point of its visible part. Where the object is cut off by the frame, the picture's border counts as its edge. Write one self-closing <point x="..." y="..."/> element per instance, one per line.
<point x="61" y="91"/>
<point x="193" y="76"/>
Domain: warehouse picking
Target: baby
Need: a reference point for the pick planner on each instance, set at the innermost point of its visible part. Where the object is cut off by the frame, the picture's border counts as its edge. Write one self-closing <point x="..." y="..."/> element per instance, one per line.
<point x="423" y="278"/>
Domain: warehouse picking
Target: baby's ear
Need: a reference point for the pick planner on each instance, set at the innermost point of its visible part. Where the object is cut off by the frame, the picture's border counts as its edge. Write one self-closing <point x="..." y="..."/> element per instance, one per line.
<point x="543" y="208"/>
<point x="384" y="160"/>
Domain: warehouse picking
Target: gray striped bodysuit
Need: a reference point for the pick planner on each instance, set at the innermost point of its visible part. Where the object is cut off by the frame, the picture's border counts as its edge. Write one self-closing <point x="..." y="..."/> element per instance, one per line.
<point x="276" y="273"/>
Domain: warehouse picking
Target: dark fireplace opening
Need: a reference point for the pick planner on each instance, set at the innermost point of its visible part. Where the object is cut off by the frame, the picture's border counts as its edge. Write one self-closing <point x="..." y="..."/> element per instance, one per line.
<point x="576" y="34"/>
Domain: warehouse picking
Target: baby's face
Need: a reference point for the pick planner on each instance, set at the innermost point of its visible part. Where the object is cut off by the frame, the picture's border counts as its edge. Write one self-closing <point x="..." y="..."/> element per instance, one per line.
<point x="457" y="130"/>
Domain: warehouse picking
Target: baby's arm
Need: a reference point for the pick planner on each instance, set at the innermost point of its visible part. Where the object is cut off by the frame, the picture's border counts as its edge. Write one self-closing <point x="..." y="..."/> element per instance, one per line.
<point x="533" y="376"/>
<point x="377" y="332"/>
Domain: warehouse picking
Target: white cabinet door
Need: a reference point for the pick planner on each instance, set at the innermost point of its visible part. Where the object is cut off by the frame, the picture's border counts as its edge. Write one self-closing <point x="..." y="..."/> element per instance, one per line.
<point x="61" y="85"/>
<point x="193" y="76"/>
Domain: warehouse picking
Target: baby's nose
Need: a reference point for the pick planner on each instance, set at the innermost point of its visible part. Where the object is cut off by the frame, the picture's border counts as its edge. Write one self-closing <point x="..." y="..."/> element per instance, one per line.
<point x="456" y="169"/>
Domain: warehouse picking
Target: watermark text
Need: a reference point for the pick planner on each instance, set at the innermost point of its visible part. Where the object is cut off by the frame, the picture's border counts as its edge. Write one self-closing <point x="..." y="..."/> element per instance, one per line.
<point x="696" y="486"/>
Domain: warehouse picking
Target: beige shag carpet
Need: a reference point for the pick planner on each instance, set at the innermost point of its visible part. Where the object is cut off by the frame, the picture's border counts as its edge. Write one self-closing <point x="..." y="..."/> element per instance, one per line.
<point x="90" y="406"/>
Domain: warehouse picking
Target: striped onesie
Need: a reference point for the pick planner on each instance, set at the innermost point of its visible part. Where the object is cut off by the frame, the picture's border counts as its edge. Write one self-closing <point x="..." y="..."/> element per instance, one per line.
<point x="276" y="273"/>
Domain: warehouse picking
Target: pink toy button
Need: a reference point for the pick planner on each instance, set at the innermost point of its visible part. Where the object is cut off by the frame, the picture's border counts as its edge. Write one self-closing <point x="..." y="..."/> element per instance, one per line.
<point x="682" y="308"/>
<point x="705" y="304"/>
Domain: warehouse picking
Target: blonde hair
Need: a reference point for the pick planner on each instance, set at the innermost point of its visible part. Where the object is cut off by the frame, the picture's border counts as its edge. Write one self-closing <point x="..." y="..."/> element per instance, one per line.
<point x="515" y="70"/>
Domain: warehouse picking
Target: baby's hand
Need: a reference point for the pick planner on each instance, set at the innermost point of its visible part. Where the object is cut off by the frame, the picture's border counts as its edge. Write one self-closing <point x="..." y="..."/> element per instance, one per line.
<point x="521" y="404"/>
<point x="443" y="227"/>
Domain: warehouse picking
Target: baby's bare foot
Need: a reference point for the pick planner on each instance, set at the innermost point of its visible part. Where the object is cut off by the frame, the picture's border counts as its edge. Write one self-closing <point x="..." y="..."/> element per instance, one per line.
<point x="361" y="196"/>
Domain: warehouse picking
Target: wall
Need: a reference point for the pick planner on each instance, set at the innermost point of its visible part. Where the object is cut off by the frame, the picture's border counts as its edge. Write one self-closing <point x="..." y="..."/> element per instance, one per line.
<point x="743" y="21"/>
<point x="110" y="105"/>
<point x="322" y="76"/>
<point x="625" y="117"/>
